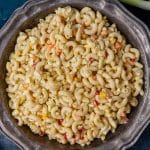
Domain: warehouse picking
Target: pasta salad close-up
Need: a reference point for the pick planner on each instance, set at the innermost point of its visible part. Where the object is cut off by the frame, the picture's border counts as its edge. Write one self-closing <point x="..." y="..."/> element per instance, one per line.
<point x="73" y="77"/>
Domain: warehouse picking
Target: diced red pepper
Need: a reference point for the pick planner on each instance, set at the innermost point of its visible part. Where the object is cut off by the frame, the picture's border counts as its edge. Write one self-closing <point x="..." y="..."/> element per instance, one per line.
<point x="132" y="60"/>
<point x="92" y="60"/>
<point x="97" y="92"/>
<point x="109" y="96"/>
<point x="80" y="130"/>
<point x="106" y="54"/>
<point x="62" y="19"/>
<point x="125" y="120"/>
<point x="65" y="136"/>
<point x="60" y="121"/>
<point x="42" y="133"/>
<point x="33" y="66"/>
<point x="89" y="90"/>
<point x="74" y="136"/>
<point x="81" y="137"/>
<point x="96" y="103"/>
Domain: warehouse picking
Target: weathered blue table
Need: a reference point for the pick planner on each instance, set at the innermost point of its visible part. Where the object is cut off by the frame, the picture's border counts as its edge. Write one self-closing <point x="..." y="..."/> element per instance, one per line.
<point x="7" y="7"/>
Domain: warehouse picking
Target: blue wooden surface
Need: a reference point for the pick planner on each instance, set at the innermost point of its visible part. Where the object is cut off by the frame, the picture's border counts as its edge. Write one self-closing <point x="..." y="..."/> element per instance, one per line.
<point x="6" y="9"/>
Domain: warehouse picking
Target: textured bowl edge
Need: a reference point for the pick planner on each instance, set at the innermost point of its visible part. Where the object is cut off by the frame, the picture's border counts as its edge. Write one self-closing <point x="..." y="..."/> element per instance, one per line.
<point x="22" y="9"/>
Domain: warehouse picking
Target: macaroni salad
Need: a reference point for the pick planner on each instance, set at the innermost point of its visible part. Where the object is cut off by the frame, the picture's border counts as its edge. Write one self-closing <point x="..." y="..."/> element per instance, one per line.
<point x="73" y="77"/>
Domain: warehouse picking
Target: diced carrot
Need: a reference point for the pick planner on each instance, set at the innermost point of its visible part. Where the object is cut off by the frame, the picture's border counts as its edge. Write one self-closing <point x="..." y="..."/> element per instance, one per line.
<point x="104" y="33"/>
<point x="34" y="57"/>
<point x="94" y="77"/>
<point x="118" y="45"/>
<point x="49" y="46"/>
<point x="58" y="52"/>
<point x="39" y="46"/>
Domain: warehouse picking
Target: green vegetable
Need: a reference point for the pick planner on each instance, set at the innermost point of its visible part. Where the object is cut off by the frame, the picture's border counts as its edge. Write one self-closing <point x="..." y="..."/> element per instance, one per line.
<point x="138" y="3"/>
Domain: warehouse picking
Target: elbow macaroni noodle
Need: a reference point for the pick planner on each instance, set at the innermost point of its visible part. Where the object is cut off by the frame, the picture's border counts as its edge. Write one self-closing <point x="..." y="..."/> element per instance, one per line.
<point x="73" y="77"/>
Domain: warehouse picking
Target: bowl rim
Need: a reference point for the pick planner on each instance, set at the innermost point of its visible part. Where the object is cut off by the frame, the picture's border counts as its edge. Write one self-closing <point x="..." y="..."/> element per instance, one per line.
<point x="24" y="8"/>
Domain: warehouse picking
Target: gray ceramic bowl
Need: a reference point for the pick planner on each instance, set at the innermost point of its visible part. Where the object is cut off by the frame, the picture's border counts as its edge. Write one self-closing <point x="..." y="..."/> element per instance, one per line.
<point x="136" y="32"/>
